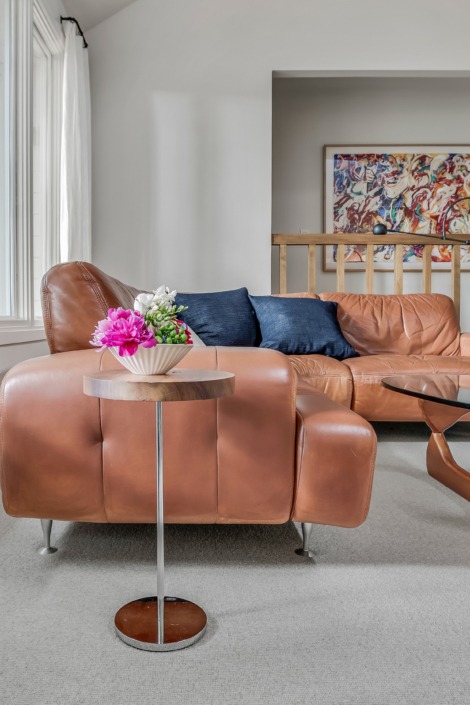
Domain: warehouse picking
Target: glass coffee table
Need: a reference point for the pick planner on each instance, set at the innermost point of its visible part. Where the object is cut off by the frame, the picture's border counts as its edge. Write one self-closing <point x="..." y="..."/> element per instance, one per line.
<point x="443" y="400"/>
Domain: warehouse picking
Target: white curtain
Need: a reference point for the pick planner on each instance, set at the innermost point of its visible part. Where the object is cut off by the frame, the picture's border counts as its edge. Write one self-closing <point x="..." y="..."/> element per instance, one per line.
<point x="75" y="159"/>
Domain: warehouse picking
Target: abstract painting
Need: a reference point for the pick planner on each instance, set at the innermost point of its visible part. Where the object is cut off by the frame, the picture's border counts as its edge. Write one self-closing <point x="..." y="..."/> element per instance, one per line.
<point x="406" y="188"/>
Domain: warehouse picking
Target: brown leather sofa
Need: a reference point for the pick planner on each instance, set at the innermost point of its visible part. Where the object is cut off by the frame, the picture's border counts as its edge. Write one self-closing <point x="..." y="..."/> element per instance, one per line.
<point x="394" y="335"/>
<point x="264" y="455"/>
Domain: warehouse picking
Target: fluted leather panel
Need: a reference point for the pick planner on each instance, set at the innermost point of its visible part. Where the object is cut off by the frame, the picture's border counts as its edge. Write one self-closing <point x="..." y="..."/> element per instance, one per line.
<point x="50" y="439"/>
<point x="256" y="437"/>
<point x="189" y="454"/>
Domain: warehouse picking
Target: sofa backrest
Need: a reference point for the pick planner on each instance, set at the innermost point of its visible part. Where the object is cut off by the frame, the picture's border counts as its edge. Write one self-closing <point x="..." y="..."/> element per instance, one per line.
<point x="410" y="324"/>
<point x="75" y="296"/>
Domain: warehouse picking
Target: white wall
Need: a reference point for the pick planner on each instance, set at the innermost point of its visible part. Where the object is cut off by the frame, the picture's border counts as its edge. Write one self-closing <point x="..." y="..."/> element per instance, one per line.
<point x="311" y="112"/>
<point x="181" y="113"/>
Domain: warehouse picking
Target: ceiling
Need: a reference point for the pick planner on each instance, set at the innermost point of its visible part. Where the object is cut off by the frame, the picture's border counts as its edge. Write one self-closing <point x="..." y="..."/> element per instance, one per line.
<point x="92" y="12"/>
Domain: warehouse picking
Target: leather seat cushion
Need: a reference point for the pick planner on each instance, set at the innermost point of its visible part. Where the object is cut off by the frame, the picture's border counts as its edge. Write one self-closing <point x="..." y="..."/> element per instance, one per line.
<point x="375" y="403"/>
<point x="326" y="375"/>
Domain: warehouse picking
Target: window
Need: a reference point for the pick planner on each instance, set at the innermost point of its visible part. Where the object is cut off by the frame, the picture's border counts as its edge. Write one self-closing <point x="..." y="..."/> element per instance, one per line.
<point x="29" y="245"/>
<point x="5" y="235"/>
<point x="41" y="179"/>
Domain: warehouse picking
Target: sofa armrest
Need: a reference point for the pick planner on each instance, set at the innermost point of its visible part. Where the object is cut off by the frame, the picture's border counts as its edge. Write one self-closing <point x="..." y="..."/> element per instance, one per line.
<point x="336" y="452"/>
<point x="465" y="344"/>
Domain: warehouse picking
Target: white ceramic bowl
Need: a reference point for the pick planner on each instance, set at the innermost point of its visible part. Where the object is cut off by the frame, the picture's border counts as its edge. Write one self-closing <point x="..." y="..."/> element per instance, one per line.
<point x="153" y="361"/>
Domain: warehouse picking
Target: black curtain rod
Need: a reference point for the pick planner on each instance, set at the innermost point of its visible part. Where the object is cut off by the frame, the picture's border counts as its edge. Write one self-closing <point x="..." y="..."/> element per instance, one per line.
<point x="72" y="19"/>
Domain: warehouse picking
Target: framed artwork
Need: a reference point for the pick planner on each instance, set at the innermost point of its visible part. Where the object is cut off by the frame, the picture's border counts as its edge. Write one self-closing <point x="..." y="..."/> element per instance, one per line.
<point x="407" y="187"/>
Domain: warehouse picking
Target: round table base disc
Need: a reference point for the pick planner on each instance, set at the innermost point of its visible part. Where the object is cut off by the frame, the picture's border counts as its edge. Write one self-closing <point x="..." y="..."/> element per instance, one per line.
<point x="136" y="624"/>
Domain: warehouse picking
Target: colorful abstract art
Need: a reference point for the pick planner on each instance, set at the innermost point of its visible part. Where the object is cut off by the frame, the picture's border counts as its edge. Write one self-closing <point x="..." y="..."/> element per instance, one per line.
<point x="406" y="188"/>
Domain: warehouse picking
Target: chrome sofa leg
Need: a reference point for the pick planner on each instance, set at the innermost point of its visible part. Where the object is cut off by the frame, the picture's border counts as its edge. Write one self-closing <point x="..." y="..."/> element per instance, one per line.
<point x="47" y="549"/>
<point x="306" y="533"/>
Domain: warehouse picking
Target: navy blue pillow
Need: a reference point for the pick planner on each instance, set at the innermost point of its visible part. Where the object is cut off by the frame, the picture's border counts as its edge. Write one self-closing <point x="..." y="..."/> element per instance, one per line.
<point x="301" y="327"/>
<point x="221" y="318"/>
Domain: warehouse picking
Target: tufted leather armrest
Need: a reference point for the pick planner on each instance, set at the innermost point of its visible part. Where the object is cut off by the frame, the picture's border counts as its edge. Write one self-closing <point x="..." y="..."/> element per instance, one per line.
<point x="336" y="452"/>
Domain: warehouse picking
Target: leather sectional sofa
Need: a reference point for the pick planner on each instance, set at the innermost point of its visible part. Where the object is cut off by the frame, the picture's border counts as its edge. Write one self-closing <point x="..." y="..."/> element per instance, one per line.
<point x="394" y="335"/>
<point x="265" y="455"/>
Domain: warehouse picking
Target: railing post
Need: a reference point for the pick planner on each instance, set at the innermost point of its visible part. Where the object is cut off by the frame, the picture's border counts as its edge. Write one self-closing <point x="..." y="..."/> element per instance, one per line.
<point x="340" y="268"/>
<point x="455" y="277"/>
<point x="398" y="269"/>
<point x="427" y="251"/>
<point x="312" y="268"/>
<point x="283" y="269"/>
<point x="370" y="269"/>
<point x="398" y="240"/>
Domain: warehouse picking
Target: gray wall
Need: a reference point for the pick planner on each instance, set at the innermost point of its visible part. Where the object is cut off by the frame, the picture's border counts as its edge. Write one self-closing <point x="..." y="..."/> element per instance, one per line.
<point x="311" y="112"/>
<point x="181" y="114"/>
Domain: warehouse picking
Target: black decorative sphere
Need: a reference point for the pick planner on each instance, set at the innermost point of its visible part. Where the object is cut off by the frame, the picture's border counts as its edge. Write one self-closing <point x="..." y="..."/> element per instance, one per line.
<point x="380" y="229"/>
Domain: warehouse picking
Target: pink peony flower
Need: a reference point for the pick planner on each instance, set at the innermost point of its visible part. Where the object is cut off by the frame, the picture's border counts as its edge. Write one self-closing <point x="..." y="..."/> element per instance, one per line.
<point x="123" y="329"/>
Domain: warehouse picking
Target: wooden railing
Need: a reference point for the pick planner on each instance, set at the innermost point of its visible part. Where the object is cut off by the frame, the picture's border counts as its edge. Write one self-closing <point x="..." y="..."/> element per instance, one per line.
<point x="368" y="239"/>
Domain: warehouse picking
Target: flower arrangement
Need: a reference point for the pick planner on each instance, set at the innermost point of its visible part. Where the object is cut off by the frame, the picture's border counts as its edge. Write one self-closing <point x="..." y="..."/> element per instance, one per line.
<point x="130" y="334"/>
<point x="153" y="322"/>
<point x="160" y="315"/>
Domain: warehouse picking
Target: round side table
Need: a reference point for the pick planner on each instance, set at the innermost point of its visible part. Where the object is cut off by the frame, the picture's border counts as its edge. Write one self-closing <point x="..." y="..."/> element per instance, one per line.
<point x="160" y="623"/>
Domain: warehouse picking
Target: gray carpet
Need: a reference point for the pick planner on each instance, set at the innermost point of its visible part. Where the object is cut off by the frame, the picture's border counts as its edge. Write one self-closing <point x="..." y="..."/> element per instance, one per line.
<point x="382" y="616"/>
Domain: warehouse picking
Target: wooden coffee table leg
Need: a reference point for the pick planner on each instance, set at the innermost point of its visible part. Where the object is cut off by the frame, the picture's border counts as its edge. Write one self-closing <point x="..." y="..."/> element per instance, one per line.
<point x="440" y="463"/>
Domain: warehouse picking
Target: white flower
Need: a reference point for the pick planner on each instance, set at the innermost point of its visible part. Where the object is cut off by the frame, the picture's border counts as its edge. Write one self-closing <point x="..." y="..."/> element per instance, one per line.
<point x="143" y="302"/>
<point x="163" y="299"/>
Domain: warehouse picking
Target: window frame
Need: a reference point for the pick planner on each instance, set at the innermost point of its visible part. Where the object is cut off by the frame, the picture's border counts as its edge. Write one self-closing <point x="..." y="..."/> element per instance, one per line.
<point x="27" y="17"/>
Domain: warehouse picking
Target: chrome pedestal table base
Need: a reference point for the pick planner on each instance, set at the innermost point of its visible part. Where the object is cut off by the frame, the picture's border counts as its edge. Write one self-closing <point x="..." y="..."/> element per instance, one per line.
<point x="160" y="623"/>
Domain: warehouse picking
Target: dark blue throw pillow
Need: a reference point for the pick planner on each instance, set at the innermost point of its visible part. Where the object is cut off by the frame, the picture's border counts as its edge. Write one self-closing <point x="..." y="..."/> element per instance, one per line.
<point x="221" y="318"/>
<point x="301" y="327"/>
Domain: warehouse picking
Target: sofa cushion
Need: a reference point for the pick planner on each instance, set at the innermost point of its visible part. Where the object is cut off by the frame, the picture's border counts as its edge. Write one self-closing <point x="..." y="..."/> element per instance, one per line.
<point x="300" y="326"/>
<point x="324" y="374"/>
<point x="223" y="318"/>
<point x="413" y="324"/>
<point x="375" y="403"/>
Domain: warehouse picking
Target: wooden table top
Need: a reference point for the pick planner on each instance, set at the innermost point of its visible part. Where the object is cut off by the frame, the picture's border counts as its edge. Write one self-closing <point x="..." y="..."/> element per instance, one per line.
<point x="177" y="385"/>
